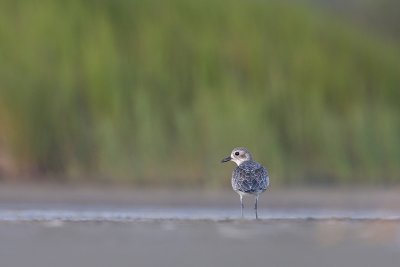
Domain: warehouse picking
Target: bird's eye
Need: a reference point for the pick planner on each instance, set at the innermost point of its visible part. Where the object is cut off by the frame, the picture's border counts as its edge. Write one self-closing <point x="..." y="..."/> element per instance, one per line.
<point x="236" y="153"/>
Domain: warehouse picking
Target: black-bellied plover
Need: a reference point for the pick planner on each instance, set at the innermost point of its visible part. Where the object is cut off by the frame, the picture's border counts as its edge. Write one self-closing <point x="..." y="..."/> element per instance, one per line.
<point x="249" y="177"/>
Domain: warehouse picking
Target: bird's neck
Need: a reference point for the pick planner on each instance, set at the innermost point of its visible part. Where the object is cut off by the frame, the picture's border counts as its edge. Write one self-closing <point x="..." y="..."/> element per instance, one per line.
<point x="239" y="162"/>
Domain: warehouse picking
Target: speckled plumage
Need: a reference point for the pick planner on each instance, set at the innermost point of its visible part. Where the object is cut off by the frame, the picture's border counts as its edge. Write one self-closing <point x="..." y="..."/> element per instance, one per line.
<point x="250" y="177"/>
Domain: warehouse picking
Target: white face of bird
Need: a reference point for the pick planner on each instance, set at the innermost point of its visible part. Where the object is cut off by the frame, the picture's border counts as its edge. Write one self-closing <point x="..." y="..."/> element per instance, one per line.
<point x="238" y="155"/>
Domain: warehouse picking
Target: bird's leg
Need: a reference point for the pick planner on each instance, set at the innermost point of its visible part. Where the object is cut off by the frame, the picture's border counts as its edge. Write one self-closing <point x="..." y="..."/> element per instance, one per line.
<point x="255" y="206"/>
<point x="241" y="205"/>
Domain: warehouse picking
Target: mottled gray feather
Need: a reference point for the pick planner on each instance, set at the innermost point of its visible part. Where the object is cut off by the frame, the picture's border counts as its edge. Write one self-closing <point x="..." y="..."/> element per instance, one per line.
<point x="250" y="177"/>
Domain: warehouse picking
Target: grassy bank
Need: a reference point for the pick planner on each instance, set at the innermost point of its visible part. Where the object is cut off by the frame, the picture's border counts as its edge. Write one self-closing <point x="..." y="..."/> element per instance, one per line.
<point x="159" y="91"/>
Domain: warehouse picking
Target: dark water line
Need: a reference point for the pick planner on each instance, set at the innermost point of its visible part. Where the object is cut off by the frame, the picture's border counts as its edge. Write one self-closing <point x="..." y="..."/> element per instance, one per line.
<point x="194" y="214"/>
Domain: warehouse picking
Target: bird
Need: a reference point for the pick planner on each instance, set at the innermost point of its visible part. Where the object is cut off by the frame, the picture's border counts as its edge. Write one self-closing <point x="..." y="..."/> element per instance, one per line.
<point x="249" y="177"/>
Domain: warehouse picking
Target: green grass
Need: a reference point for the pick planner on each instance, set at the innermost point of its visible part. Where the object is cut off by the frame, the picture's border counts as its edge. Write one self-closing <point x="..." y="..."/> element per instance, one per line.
<point x="157" y="92"/>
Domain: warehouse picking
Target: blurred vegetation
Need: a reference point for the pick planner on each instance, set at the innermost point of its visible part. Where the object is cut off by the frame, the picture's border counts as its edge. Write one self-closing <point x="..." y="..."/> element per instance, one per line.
<point x="381" y="17"/>
<point x="157" y="92"/>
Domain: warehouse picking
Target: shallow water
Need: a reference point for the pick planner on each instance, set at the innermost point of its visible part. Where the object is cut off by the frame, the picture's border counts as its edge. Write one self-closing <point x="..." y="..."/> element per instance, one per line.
<point x="97" y="239"/>
<point x="63" y="228"/>
<point x="112" y="214"/>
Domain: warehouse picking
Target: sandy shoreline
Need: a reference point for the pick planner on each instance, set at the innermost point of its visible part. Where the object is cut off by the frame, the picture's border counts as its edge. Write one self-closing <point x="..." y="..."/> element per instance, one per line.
<point x="201" y="243"/>
<point x="63" y="226"/>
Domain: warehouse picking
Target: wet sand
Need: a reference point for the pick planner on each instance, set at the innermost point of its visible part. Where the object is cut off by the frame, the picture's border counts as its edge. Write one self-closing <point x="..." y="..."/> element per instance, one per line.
<point x="87" y="227"/>
<point x="201" y="243"/>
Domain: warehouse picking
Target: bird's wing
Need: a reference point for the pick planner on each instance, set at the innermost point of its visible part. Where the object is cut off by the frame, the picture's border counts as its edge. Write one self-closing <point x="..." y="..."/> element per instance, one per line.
<point x="250" y="177"/>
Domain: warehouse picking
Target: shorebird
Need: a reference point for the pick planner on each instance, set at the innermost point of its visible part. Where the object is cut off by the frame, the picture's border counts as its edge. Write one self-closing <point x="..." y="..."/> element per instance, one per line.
<point x="249" y="177"/>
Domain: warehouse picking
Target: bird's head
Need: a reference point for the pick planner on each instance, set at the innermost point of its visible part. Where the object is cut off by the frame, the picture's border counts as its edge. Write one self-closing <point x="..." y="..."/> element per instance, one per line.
<point x="238" y="155"/>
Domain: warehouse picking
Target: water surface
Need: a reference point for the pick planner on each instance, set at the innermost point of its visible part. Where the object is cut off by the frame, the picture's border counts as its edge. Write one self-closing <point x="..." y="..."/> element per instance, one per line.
<point x="28" y="212"/>
<point x="61" y="227"/>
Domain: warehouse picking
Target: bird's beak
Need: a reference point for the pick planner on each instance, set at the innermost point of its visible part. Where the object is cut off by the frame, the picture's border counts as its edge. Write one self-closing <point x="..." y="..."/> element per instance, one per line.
<point x="226" y="159"/>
